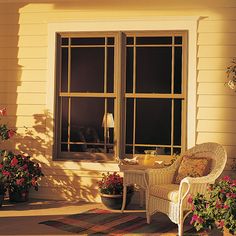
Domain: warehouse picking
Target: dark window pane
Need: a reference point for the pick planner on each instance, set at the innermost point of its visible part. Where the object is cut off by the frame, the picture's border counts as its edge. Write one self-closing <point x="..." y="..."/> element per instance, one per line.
<point x="64" y="41"/>
<point x="87" y="69"/>
<point x="178" y="40"/>
<point x="64" y="69"/>
<point x="128" y="149"/>
<point x="87" y="41"/>
<point x="110" y="41"/>
<point x="130" y="40"/>
<point x="129" y="69"/>
<point x="153" y="121"/>
<point x="86" y="119"/>
<point x="64" y="148"/>
<point x="64" y="119"/>
<point x="129" y="120"/>
<point x="110" y="70"/>
<point x="177" y="121"/>
<point x="153" y="40"/>
<point x="178" y="70"/>
<point x="153" y="70"/>
<point x="78" y="148"/>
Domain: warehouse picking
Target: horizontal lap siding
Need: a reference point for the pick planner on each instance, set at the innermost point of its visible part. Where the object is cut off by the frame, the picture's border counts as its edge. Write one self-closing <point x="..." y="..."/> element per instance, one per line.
<point x="24" y="65"/>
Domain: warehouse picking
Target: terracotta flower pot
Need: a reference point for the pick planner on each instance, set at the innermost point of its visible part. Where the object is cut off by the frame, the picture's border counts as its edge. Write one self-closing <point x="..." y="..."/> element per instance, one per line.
<point x="115" y="201"/>
<point x="19" y="196"/>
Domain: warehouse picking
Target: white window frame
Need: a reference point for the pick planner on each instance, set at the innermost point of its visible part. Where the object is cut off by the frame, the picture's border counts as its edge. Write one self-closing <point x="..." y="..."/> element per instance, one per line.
<point x="188" y="23"/>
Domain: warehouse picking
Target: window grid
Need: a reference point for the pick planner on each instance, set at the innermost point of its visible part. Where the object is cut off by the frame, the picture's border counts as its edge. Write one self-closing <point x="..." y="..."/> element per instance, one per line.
<point x="172" y="95"/>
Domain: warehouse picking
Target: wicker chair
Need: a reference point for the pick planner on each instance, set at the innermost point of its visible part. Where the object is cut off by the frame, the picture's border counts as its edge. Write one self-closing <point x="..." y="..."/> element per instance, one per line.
<point x="171" y="199"/>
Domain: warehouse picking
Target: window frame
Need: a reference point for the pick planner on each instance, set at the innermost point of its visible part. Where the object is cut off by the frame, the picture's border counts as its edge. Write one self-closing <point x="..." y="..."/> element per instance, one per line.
<point x="142" y="23"/>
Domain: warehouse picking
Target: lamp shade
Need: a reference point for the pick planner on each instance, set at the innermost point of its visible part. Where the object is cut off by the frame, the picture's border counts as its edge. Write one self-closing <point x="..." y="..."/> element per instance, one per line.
<point x="108" y="120"/>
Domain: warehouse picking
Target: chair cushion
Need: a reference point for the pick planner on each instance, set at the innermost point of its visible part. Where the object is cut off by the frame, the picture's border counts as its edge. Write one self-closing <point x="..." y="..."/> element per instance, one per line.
<point x="193" y="167"/>
<point x="168" y="192"/>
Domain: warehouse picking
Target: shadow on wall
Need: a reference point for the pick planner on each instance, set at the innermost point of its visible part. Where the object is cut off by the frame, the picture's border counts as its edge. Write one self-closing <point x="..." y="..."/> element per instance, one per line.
<point x="63" y="179"/>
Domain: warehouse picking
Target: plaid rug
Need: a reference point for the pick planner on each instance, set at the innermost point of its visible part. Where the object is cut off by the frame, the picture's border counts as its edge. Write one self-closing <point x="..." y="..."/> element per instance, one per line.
<point x="106" y="222"/>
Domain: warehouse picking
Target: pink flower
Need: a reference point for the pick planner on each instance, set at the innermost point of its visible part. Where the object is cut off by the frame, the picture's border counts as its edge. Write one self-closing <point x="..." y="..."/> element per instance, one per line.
<point x="190" y="199"/>
<point x="200" y="220"/>
<point x="14" y="161"/>
<point x="1" y="166"/>
<point x="20" y="181"/>
<point x="3" y="111"/>
<point x="194" y="218"/>
<point x="10" y="133"/>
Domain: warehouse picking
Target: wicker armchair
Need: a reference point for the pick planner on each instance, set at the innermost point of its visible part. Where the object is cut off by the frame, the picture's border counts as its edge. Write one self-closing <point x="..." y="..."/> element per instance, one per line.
<point x="171" y="199"/>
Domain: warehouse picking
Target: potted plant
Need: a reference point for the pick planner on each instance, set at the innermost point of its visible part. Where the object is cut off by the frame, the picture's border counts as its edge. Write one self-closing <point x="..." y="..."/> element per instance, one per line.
<point x="111" y="190"/>
<point x="217" y="208"/>
<point x="21" y="174"/>
<point x="5" y="133"/>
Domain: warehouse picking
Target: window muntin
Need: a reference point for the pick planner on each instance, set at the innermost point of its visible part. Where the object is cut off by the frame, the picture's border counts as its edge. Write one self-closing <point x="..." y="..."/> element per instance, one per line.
<point x="166" y="86"/>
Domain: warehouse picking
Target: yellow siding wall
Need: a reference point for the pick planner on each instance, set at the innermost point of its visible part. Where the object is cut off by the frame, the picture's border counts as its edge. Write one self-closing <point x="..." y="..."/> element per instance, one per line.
<point x="23" y="77"/>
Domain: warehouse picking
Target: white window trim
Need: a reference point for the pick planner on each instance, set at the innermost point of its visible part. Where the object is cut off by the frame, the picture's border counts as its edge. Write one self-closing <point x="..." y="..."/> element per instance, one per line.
<point x="188" y="23"/>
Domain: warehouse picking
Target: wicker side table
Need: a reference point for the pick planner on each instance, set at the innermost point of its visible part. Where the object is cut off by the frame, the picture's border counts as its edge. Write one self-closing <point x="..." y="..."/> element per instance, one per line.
<point x="133" y="174"/>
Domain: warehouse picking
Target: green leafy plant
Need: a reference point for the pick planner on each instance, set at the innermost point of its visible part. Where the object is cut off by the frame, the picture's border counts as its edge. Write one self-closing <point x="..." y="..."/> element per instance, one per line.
<point x="112" y="184"/>
<point x="217" y="208"/>
<point x="19" y="171"/>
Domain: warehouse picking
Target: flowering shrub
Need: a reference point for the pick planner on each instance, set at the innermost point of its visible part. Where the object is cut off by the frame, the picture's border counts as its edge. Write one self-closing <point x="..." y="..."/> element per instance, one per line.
<point x="19" y="171"/>
<point x="5" y="132"/>
<point x="231" y="74"/>
<point x="112" y="184"/>
<point x="218" y="208"/>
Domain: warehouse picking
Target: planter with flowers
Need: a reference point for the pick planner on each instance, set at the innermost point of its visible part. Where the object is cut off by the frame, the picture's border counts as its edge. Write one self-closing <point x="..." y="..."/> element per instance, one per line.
<point x="111" y="191"/>
<point x="5" y="134"/>
<point x="217" y="208"/>
<point x="21" y="174"/>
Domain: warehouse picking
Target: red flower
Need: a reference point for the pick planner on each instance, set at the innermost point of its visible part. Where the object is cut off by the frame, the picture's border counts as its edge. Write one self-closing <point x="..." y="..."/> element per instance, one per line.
<point x="10" y="133"/>
<point x="25" y="167"/>
<point x="3" y="111"/>
<point x="218" y="205"/>
<point x="6" y="173"/>
<point x="34" y="182"/>
<point x="220" y="224"/>
<point x="1" y="166"/>
<point x="14" y="161"/>
<point x="20" y="181"/>
<point x="226" y="178"/>
<point x="226" y="207"/>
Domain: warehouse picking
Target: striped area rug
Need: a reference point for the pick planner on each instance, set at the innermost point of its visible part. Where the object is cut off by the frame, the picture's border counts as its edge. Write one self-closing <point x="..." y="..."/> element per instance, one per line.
<point x="106" y="222"/>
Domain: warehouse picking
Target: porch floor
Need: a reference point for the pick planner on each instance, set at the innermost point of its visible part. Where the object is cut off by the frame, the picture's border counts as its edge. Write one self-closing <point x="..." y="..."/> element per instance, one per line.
<point x="24" y="218"/>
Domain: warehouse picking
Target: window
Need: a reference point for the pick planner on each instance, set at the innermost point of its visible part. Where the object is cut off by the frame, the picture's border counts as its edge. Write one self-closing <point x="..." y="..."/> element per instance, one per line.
<point x="120" y="94"/>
